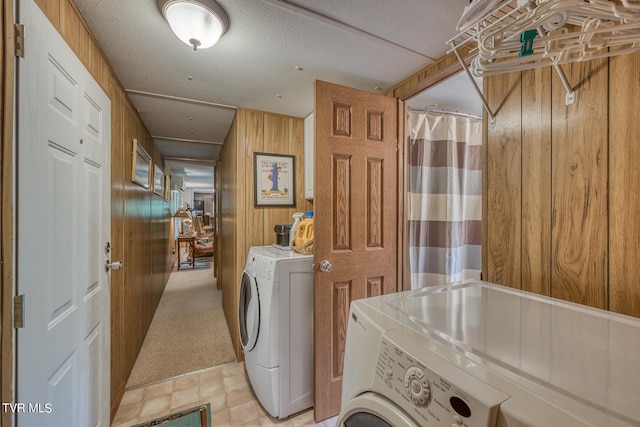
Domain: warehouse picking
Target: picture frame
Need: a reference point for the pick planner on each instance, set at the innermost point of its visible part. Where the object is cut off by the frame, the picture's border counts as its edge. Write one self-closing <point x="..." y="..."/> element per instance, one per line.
<point x="270" y="192"/>
<point x="140" y="165"/>
<point x="158" y="183"/>
<point x="167" y="188"/>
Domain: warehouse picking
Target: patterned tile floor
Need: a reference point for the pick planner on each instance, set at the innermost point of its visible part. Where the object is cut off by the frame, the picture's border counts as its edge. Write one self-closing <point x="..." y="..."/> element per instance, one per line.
<point x="226" y="388"/>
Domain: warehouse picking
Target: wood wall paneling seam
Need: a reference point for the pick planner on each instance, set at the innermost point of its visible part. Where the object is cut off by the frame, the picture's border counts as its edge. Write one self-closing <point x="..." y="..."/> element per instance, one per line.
<point x="7" y="61"/>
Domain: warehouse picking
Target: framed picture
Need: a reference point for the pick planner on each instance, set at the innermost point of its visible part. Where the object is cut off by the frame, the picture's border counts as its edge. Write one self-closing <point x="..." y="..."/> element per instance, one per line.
<point x="167" y="188"/>
<point x="274" y="179"/>
<point x="158" y="186"/>
<point x="140" y="165"/>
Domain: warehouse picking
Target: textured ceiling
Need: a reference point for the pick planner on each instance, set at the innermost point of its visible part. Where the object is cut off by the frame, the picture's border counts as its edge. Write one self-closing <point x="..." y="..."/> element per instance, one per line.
<point x="187" y="99"/>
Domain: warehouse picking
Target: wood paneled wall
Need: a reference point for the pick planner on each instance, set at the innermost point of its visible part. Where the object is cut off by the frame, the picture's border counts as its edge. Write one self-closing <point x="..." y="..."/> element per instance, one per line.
<point x="624" y="197"/>
<point x="560" y="184"/>
<point x="230" y="225"/>
<point x="241" y="224"/>
<point x="143" y="243"/>
<point x="140" y="220"/>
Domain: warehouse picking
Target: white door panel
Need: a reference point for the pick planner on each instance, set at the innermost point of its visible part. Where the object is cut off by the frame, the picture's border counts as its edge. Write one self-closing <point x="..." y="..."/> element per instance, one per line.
<point x="96" y="123"/>
<point x="63" y="214"/>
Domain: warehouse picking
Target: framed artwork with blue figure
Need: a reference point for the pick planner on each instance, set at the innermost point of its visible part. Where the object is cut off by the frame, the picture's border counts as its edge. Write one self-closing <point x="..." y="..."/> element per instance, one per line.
<point x="274" y="179"/>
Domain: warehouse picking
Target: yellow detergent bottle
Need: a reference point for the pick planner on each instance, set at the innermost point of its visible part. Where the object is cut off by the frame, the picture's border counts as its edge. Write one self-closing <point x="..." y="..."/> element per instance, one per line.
<point x="304" y="232"/>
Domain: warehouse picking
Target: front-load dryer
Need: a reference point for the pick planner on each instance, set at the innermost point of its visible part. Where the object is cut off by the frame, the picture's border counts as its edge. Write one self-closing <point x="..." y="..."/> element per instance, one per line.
<point x="275" y="320"/>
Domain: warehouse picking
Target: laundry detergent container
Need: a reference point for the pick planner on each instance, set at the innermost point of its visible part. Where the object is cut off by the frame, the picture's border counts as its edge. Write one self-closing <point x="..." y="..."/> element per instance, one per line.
<point x="304" y="232"/>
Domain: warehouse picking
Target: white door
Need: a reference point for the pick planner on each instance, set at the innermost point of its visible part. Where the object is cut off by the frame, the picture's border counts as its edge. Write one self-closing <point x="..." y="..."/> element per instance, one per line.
<point x="63" y="223"/>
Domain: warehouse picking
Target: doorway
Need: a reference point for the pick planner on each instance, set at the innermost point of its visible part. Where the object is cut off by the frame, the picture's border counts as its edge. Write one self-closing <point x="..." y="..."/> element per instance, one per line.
<point x="203" y="202"/>
<point x="444" y="184"/>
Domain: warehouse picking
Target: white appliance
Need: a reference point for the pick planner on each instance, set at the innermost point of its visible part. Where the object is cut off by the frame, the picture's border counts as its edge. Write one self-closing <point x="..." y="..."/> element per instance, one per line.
<point x="476" y="354"/>
<point x="276" y="328"/>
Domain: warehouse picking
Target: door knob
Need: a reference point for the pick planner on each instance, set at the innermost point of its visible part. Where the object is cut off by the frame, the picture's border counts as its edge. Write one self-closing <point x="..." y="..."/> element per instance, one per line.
<point x="325" y="266"/>
<point x="112" y="265"/>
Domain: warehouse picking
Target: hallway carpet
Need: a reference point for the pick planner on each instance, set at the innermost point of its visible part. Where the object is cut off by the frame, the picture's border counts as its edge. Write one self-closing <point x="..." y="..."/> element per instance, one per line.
<point x="188" y="332"/>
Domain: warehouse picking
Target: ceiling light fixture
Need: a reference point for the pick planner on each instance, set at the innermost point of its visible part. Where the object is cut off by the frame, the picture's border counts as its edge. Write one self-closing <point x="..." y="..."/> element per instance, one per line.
<point x="198" y="23"/>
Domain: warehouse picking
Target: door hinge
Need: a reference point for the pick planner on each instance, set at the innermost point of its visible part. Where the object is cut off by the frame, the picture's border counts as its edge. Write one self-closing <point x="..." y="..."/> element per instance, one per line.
<point x="19" y="33"/>
<point x="18" y="311"/>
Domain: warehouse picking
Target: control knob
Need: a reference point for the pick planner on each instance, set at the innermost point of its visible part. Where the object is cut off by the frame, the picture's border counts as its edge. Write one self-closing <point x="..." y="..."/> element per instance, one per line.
<point x="417" y="386"/>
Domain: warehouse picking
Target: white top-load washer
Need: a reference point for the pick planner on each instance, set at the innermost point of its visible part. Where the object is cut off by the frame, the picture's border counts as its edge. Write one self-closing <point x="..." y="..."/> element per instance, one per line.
<point x="475" y="354"/>
<point x="275" y="319"/>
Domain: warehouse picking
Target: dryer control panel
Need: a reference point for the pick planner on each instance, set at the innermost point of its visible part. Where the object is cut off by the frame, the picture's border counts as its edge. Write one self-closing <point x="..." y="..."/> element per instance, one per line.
<point x="429" y="388"/>
<point x="265" y="268"/>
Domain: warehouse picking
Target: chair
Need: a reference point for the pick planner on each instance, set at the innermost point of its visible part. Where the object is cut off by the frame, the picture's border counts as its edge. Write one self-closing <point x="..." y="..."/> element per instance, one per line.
<point x="203" y="248"/>
<point x="201" y="231"/>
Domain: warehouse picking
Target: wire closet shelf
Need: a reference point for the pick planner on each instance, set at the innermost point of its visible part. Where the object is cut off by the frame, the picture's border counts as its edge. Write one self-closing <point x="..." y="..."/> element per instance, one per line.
<point x="513" y="35"/>
<point x="504" y="36"/>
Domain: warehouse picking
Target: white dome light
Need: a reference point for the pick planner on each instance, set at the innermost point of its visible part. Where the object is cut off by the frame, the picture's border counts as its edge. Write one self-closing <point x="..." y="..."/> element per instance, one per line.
<point x="199" y="24"/>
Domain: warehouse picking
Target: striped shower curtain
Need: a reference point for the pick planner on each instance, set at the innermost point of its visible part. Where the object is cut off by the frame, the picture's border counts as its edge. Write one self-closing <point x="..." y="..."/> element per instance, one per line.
<point x="445" y="198"/>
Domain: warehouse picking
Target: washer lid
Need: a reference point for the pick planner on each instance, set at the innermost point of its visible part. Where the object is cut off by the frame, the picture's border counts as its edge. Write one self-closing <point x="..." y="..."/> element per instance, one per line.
<point x="587" y="360"/>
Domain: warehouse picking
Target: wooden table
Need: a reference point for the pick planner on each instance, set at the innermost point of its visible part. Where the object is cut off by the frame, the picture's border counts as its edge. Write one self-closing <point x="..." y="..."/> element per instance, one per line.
<point x="190" y="244"/>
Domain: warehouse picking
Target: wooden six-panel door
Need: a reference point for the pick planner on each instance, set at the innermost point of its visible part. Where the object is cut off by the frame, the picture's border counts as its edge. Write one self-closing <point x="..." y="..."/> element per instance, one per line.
<point x="355" y="220"/>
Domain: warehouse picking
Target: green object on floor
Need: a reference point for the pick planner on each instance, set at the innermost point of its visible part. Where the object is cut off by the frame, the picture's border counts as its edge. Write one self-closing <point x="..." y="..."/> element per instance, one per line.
<point x="198" y="416"/>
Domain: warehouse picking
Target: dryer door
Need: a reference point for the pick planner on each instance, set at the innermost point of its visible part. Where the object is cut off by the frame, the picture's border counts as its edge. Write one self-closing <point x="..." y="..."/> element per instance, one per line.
<point x="248" y="312"/>
<point x="372" y="410"/>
